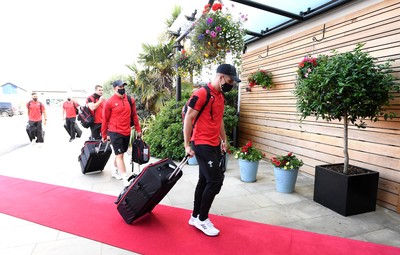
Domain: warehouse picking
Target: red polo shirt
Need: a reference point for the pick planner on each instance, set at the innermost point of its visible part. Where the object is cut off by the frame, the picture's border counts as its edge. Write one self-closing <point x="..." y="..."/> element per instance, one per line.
<point x="208" y="125"/>
<point x="98" y="113"/>
<point x="35" y="110"/>
<point x="70" y="109"/>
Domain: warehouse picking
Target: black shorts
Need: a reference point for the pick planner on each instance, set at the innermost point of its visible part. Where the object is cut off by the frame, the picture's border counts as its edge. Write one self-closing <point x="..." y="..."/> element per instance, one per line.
<point x="119" y="142"/>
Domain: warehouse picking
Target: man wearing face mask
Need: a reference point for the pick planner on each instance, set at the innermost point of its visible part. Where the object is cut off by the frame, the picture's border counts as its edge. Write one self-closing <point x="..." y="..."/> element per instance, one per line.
<point x="118" y="115"/>
<point x="206" y="142"/>
<point x="70" y="108"/>
<point x="35" y="111"/>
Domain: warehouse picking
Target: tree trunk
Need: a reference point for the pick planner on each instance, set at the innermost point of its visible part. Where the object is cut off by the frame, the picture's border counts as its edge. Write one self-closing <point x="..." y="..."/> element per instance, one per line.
<point x="345" y="144"/>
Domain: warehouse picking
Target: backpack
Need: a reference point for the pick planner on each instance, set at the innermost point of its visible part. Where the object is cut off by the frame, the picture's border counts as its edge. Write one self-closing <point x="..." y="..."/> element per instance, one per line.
<point x="140" y="151"/>
<point x="85" y="116"/>
<point x="130" y="103"/>
<point x="185" y="107"/>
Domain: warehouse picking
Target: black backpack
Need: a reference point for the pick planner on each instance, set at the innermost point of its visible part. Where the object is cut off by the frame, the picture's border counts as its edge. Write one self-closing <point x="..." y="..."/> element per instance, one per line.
<point x="140" y="151"/>
<point x="185" y="107"/>
<point x="130" y="103"/>
<point x="85" y="115"/>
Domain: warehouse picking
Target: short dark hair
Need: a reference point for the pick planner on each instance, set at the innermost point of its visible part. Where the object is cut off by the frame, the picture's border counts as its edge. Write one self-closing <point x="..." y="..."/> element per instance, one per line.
<point x="97" y="86"/>
<point x="33" y="93"/>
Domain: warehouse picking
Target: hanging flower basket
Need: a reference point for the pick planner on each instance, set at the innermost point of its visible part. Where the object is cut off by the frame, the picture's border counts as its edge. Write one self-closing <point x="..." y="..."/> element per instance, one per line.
<point x="187" y="64"/>
<point x="262" y="78"/>
<point x="217" y="34"/>
<point x="305" y="67"/>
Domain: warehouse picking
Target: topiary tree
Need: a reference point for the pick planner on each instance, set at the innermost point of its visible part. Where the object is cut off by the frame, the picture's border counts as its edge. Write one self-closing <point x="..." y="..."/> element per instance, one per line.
<point x="347" y="86"/>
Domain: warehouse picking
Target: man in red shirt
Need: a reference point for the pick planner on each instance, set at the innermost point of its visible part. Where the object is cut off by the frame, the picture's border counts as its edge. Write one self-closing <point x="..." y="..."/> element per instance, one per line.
<point x="95" y="103"/>
<point x="206" y="142"/>
<point x="35" y="111"/>
<point x="118" y="115"/>
<point x="69" y="114"/>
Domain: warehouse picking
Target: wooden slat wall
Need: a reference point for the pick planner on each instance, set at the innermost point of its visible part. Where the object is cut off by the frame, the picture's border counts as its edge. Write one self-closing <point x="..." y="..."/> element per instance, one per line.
<point x="269" y="117"/>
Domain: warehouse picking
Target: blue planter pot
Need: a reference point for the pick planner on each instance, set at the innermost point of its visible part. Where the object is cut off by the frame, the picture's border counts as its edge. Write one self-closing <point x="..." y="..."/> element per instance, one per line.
<point x="192" y="161"/>
<point x="248" y="170"/>
<point x="285" y="179"/>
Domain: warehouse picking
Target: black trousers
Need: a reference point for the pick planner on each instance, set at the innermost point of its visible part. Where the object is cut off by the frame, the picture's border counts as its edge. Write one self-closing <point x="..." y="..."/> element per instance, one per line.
<point x="70" y="122"/>
<point x="210" y="178"/>
<point x="36" y="130"/>
<point x="95" y="129"/>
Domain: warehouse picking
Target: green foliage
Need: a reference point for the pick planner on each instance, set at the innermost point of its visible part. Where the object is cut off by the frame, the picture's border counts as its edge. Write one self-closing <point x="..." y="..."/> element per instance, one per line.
<point x="262" y="78"/>
<point x="286" y="162"/>
<point x="231" y="120"/>
<point x="346" y="84"/>
<point x="164" y="134"/>
<point x="248" y="152"/>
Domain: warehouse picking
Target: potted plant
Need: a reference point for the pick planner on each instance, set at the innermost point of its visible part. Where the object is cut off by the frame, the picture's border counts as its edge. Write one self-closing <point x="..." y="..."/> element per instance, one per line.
<point x="249" y="158"/>
<point x="349" y="87"/>
<point x="286" y="168"/>
<point x="216" y="34"/>
<point x="262" y="78"/>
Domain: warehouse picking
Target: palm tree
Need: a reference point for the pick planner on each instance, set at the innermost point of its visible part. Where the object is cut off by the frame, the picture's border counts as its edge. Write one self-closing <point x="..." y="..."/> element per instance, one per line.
<point x="155" y="82"/>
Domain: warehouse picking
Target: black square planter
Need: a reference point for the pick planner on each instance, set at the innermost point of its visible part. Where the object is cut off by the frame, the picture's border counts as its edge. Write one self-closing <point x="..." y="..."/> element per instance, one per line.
<point x="346" y="194"/>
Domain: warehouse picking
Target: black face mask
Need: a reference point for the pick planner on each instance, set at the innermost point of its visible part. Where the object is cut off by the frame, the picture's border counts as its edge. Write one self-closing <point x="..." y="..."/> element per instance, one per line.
<point x="226" y="87"/>
<point x="35" y="99"/>
<point x="69" y="99"/>
<point x="121" y="91"/>
<point x="95" y="95"/>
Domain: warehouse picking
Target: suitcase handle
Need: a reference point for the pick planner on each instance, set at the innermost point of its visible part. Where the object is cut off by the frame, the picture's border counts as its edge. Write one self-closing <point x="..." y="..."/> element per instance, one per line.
<point x="105" y="149"/>
<point x="179" y="167"/>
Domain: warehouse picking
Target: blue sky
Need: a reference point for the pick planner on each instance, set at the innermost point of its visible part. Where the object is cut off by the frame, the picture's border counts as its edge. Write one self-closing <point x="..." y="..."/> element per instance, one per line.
<point x="76" y="43"/>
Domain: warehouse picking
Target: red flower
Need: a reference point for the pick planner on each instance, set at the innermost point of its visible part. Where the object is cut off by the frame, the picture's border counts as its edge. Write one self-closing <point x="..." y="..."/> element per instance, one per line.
<point x="217" y="6"/>
<point x="290" y="154"/>
<point x="249" y="144"/>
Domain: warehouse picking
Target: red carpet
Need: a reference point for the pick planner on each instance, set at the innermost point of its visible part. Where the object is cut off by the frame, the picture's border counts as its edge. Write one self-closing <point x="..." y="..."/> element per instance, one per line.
<point x="165" y="230"/>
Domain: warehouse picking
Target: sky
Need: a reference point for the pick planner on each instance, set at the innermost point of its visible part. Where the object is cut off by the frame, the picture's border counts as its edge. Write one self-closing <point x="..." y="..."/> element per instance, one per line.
<point x="76" y="44"/>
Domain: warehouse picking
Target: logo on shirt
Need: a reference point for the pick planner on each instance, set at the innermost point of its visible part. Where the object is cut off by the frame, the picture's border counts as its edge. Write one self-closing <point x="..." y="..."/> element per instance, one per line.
<point x="210" y="163"/>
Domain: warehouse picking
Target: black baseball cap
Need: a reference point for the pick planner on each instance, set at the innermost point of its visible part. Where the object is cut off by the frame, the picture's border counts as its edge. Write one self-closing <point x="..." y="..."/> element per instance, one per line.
<point x="228" y="70"/>
<point x="118" y="83"/>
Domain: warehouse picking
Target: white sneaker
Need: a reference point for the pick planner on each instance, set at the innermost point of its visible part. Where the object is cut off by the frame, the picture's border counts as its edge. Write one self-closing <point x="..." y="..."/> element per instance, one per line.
<point x="126" y="182"/>
<point x="116" y="175"/>
<point x="191" y="220"/>
<point x="206" y="226"/>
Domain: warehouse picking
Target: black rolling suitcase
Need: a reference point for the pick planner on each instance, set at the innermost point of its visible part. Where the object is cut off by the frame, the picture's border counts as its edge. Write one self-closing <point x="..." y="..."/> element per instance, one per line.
<point x="34" y="135"/>
<point x="148" y="189"/>
<point x="78" y="131"/>
<point x="94" y="156"/>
